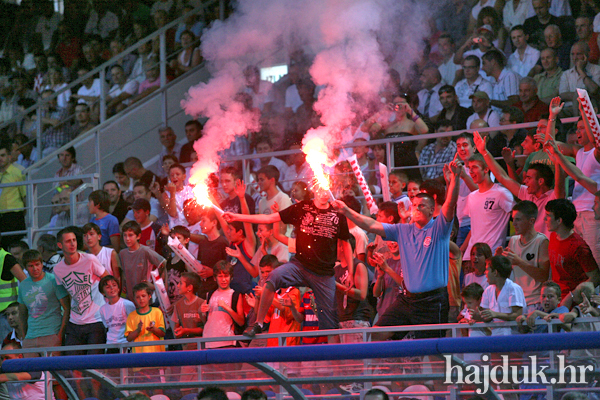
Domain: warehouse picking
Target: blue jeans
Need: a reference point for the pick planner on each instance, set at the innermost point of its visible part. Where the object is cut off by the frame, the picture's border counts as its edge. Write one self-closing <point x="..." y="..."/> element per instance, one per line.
<point x="294" y="273"/>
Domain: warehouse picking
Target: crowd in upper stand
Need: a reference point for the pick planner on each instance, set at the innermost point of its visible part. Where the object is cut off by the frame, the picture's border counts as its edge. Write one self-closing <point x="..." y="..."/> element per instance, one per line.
<point x="494" y="64"/>
<point x="45" y="50"/>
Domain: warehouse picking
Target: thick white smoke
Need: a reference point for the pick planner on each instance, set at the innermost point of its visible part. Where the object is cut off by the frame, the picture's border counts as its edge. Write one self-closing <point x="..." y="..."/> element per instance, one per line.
<point x="349" y="40"/>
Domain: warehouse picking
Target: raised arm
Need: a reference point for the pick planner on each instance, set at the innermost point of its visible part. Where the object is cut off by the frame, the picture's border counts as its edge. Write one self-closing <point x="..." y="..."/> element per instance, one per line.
<point x="449" y="205"/>
<point x="240" y="190"/>
<point x="366" y="223"/>
<point x="495" y="168"/>
<point x="253" y="219"/>
<point x="552" y="149"/>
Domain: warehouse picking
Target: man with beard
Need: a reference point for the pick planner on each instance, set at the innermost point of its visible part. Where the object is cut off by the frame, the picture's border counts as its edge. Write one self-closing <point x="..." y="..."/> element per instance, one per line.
<point x="452" y="112"/>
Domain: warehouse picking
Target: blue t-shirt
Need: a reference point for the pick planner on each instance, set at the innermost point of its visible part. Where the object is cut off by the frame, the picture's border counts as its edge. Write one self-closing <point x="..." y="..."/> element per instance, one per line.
<point x="42" y="301"/>
<point x="544" y="328"/>
<point x="426" y="251"/>
<point x="109" y="226"/>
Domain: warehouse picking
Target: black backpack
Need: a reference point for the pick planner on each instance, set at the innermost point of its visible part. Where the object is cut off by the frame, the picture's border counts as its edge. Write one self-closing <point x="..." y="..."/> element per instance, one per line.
<point x="237" y="329"/>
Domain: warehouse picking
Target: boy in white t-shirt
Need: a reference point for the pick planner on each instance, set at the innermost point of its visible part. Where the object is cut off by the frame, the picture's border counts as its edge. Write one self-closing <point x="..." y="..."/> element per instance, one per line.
<point x="503" y="300"/>
<point x="114" y="313"/>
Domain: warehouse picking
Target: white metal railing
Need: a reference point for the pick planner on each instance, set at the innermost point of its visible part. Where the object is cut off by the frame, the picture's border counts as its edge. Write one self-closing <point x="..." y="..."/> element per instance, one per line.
<point x="39" y="190"/>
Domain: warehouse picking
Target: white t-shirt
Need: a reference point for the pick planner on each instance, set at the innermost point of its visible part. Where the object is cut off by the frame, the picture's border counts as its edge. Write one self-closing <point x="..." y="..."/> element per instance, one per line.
<point x="587" y="163"/>
<point x="491" y="117"/>
<point x="279" y="250"/>
<point x="130" y="87"/>
<point x="489" y="212"/>
<point x="81" y="281"/>
<point x="511" y="295"/>
<point x="361" y="240"/>
<point x="94" y="91"/>
<point x="180" y="197"/>
<point x="104" y="256"/>
<point x="114" y="318"/>
<point x="472" y="278"/>
<point x="529" y="252"/>
<point x="282" y="199"/>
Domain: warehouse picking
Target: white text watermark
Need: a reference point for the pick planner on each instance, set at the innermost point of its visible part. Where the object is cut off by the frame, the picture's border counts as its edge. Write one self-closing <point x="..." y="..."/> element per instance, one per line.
<point x="527" y="371"/>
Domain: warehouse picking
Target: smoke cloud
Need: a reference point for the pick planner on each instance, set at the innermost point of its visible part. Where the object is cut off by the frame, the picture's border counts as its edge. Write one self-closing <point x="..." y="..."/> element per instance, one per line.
<point x="353" y="43"/>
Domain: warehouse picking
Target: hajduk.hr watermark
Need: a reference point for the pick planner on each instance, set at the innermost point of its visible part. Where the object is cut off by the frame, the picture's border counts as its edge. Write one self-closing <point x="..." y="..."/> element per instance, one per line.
<point x="526" y="371"/>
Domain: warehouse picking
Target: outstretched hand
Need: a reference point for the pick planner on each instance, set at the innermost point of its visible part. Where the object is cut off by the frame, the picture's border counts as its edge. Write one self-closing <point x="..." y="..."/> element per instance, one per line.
<point x="339" y="206"/>
<point x="508" y="155"/>
<point x="480" y="142"/>
<point x="229" y="217"/>
<point x="556" y="107"/>
<point x="237" y="253"/>
<point x="240" y="188"/>
<point x="455" y="166"/>
<point x="551" y="148"/>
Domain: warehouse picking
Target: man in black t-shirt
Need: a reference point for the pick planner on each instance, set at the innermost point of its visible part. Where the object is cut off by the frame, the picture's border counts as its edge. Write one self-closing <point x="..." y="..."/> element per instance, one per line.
<point x="319" y="228"/>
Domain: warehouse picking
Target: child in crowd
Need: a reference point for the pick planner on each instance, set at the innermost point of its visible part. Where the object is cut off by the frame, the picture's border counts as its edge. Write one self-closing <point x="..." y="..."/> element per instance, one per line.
<point x="99" y="205"/>
<point x="114" y="312"/>
<point x="300" y="192"/>
<point x="582" y="307"/>
<point x="503" y="300"/>
<point x="44" y="299"/>
<point x="175" y="267"/>
<point x="141" y="214"/>
<point x="398" y="183"/>
<point x="471" y="297"/>
<point x="137" y="260"/>
<point x="480" y="254"/>
<point x="549" y="299"/>
<point x="145" y="324"/>
<point x="387" y="214"/>
<point x="285" y="313"/>
<point x="351" y="299"/>
<point x="108" y="257"/>
<point x="176" y="192"/>
<point x="223" y="307"/>
<point x="268" y="245"/>
<point x="211" y="248"/>
<point x="188" y="319"/>
<point x="389" y="277"/>
<point x="242" y="244"/>
<point x="193" y="215"/>
<point x="413" y="188"/>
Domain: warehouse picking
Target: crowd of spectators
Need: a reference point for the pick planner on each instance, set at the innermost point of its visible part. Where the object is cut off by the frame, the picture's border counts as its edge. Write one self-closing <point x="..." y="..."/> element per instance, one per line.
<point x="254" y="265"/>
<point x="45" y="50"/>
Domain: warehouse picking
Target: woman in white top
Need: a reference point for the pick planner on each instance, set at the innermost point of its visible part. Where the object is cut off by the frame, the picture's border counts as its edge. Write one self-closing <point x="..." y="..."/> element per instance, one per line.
<point x="189" y="57"/>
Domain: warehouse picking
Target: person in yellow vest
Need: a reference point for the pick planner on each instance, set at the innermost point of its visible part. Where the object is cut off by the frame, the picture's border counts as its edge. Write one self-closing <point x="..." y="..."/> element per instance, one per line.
<point x="11" y="198"/>
<point x="10" y="272"/>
